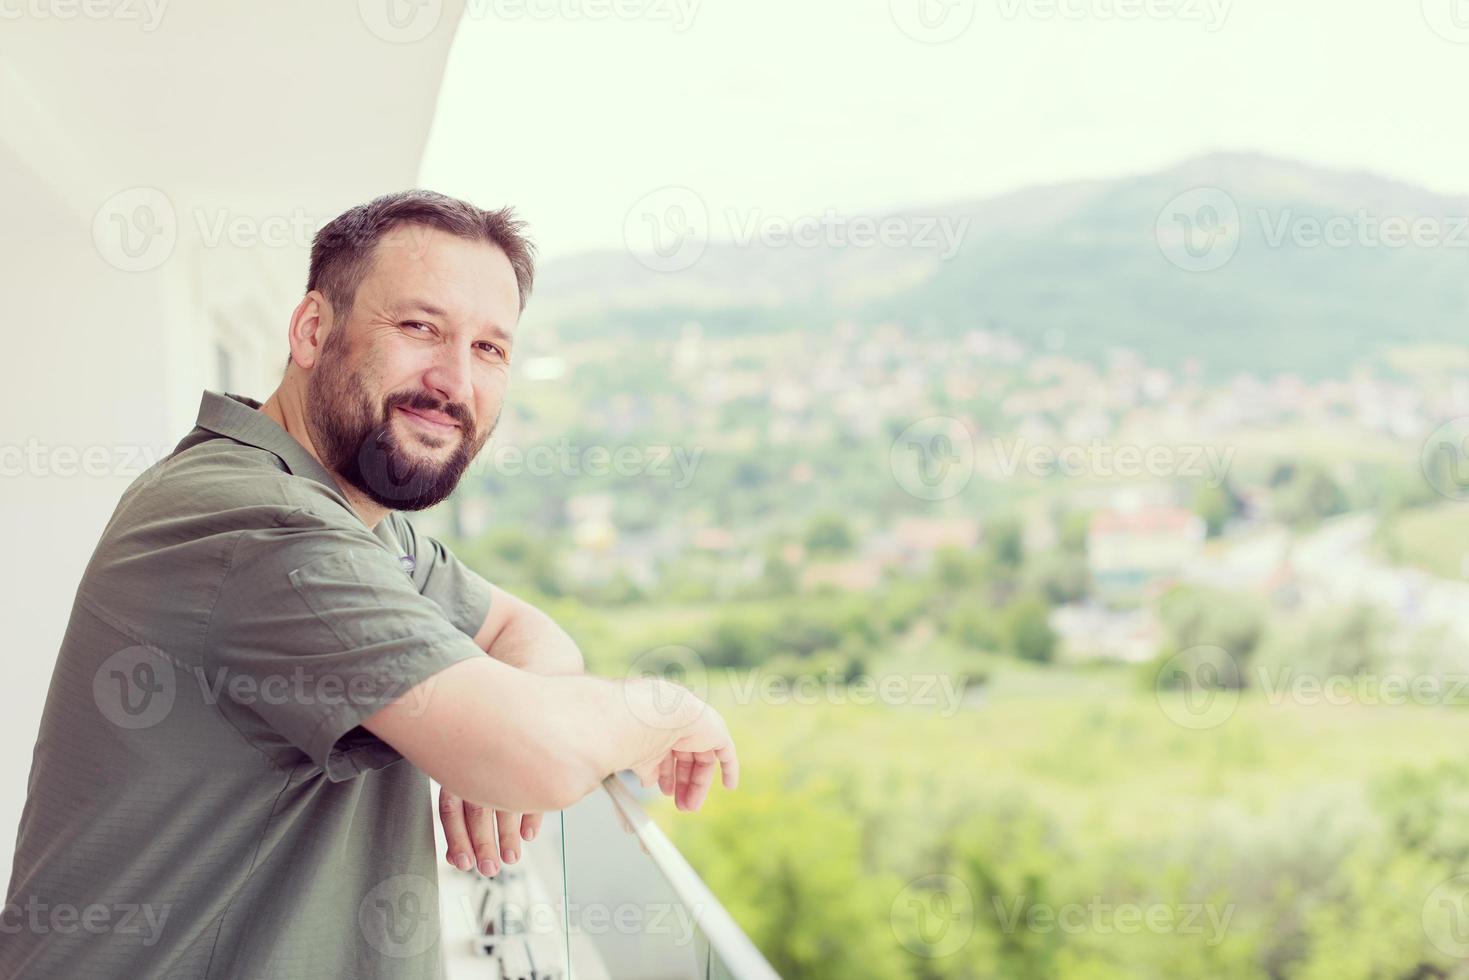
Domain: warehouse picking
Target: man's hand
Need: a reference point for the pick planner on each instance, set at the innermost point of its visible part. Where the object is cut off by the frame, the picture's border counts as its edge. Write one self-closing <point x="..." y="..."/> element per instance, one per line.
<point x="686" y="771"/>
<point x="483" y="838"/>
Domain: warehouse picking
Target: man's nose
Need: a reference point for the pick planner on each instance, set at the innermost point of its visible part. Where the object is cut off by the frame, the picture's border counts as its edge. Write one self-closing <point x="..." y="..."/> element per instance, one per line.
<point x="449" y="376"/>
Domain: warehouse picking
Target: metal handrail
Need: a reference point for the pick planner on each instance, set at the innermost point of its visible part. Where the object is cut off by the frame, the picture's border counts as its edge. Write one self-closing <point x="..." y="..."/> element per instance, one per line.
<point x="740" y="956"/>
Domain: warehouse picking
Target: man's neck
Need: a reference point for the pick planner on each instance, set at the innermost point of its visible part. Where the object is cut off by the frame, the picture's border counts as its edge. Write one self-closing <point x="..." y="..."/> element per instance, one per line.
<point x="287" y="408"/>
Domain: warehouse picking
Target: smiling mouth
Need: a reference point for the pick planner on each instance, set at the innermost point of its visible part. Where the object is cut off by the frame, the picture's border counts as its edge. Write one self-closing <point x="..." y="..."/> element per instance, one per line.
<point x="430" y="421"/>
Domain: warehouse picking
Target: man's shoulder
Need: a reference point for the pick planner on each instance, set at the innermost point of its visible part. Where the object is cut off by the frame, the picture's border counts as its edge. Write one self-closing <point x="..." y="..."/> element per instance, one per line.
<point x="210" y="474"/>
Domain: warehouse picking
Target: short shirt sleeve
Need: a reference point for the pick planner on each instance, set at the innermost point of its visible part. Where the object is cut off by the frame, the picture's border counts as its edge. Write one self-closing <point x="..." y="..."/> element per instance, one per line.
<point x="317" y="627"/>
<point x="462" y="593"/>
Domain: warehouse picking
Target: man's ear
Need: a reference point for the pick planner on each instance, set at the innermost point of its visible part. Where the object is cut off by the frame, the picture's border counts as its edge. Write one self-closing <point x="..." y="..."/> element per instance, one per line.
<point x="309" y="325"/>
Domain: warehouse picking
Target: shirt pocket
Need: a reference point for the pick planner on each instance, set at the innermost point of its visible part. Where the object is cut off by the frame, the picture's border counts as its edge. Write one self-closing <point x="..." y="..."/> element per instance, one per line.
<point x="357" y="594"/>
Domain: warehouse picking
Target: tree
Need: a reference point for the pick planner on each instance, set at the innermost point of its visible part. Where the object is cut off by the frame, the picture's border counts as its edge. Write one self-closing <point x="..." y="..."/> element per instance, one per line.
<point x="1195" y="618"/>
<point x="798" y="886"/>
<point x="829" y="535"/>
<point x="1305" y="493"/>
<point x="1006" y="542"/>
<point x="1028" y="629"/>
<point x="1217" y="505"/>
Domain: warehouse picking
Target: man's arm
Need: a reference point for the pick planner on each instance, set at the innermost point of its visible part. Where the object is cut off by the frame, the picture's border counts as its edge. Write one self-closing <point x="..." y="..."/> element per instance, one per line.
<point x="523" y="742"/>
<point x="517" y="633"/>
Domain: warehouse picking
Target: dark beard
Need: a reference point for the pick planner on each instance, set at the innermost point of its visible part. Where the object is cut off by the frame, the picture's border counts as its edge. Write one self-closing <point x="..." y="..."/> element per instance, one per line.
<point x="359" y="445"/>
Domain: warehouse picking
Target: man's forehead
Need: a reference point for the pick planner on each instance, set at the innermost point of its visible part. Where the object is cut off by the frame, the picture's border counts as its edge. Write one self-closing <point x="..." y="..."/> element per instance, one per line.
<point x="414" y="246"/>
<point x="414" y="261"/>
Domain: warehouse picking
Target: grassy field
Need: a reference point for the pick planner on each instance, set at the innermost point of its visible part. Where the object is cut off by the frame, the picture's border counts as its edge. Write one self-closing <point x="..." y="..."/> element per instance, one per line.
<point x="1435" y="539"/>
<point x="1078" y="789"/>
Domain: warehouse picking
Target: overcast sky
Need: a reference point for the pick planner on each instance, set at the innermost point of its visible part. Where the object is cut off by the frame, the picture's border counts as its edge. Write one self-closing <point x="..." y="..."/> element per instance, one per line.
<point x="791" y="107"/>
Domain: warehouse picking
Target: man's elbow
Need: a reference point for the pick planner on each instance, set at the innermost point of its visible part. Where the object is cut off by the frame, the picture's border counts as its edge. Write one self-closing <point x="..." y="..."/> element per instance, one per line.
<point x="543" y="787"/>
<point x="569" y="661"/>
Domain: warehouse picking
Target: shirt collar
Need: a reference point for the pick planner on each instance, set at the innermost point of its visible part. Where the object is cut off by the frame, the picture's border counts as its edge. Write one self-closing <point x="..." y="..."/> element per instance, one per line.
<point x="239" y="418"/>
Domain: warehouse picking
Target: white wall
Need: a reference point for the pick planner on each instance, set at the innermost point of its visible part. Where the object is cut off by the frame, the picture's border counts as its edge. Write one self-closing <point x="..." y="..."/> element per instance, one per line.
<point x="83" y="367"/>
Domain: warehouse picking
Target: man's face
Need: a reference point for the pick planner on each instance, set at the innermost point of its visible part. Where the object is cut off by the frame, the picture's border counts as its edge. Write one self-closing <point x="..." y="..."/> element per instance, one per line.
<point x="408" y="388"/>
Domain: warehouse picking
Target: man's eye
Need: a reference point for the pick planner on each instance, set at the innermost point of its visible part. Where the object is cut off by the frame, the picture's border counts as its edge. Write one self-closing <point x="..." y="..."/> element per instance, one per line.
<point x="490" y="348"/>
<point x="415" y="325"/>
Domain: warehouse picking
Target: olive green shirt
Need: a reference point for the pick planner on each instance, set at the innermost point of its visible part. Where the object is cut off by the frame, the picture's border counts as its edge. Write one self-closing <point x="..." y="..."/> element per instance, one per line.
<point x="203" y="801"/>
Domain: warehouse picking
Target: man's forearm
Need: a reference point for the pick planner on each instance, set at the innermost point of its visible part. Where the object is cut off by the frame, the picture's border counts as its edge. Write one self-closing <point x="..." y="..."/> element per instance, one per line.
<point x="531" y="640"/>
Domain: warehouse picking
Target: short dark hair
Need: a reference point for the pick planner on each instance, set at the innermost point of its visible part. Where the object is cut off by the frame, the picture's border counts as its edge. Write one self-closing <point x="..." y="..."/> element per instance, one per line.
<point x="342" y="251"/>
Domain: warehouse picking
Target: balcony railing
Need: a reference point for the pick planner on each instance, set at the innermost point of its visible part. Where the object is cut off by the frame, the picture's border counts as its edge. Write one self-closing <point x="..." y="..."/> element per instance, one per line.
<point x="602" y="894"/>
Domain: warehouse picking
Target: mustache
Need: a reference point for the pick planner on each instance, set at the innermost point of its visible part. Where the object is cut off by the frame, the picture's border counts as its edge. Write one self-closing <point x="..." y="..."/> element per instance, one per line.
<point x="423" y="401"/>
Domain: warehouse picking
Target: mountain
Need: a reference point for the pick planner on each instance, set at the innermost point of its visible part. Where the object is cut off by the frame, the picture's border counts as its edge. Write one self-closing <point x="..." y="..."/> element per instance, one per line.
<point x="1240" y="261"/>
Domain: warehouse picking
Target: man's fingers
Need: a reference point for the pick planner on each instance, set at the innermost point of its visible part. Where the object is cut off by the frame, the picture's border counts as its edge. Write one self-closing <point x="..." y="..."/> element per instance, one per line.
<point x="530" y="826"/>
<point x="683" y="768"/>
<point x="666" y="774"/>
<point x="509" y="827"/>
<point x="481" y="824"/>
<point x="701" y="777"/>
<point x="729" y="765"/>
<point x="451" y="815"/>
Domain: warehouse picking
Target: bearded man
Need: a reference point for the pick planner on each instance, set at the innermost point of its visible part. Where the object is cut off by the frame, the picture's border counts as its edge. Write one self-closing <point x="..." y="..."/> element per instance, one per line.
<point x="266" y="663"/>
